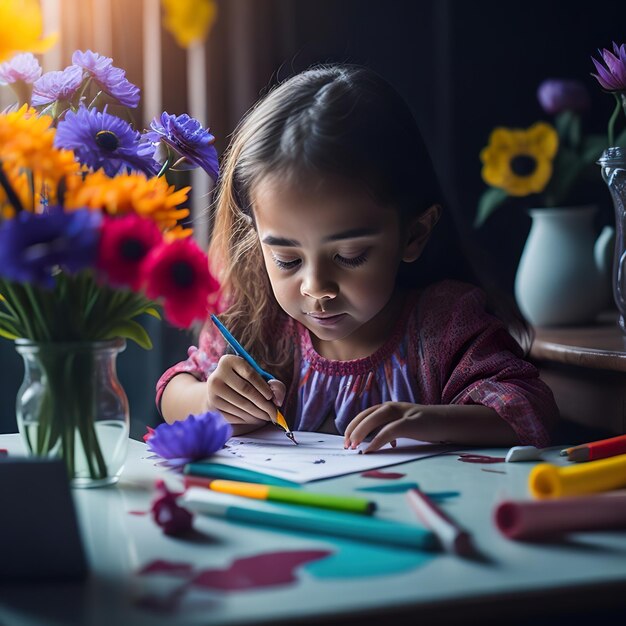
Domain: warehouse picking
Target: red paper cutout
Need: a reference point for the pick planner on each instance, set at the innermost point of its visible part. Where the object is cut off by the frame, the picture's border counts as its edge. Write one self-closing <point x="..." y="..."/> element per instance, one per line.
<point x="167" y="567"/>
<point x="262" y="570"/>
<point x="385" y="475"/>
<point x="480" y="458"/>
<point x="255" y="572"/>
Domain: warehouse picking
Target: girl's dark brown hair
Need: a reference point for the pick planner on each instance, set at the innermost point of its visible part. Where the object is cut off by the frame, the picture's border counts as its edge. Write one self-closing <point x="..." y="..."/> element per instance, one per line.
<point x="329" y="122"/>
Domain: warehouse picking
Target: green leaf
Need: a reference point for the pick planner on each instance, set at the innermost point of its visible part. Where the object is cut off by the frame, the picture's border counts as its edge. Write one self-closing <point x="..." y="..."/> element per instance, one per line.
<point x="567" y="167"/>
<point x="488" y="203"/>
<point x="7" y="335"/>
<point x="152" y="311"/>
<point x="563" y="124"/>
<point x="131" y="330"/>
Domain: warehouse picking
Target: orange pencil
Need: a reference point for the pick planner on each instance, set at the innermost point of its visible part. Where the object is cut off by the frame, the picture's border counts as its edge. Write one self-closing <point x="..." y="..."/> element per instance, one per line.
<point x="596" y="449"/>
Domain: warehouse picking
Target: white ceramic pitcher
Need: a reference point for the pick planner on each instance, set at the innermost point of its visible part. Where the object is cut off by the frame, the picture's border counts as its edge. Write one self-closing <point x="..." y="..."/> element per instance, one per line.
<point x="564" y="271"/>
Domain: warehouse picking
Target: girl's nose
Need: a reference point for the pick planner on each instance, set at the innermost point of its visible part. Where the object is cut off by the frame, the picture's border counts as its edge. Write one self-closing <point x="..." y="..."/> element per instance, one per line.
<point x="318" y="285"/>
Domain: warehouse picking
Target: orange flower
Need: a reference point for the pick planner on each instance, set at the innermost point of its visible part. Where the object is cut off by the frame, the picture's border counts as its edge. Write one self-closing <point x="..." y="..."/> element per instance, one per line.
<point x="27" y="146"/>
<point x="151" y="198"/>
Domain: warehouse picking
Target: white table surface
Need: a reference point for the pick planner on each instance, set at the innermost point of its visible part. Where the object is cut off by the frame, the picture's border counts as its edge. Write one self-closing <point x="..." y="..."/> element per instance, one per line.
<point x="119" y="544"/>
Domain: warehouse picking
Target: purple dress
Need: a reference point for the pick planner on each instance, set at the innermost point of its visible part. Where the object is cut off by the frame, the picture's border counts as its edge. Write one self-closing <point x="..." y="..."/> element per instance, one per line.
<point x="444" y="349"/>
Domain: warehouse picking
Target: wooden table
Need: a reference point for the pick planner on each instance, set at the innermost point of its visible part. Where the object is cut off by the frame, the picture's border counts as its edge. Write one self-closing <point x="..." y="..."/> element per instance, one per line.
<point x="586" y="368"/>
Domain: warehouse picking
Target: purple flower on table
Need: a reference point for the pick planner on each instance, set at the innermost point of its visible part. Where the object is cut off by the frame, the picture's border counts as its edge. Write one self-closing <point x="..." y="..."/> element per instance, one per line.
<point x="187" y="139"/>
<point x="110" y="79"/>
<point x="558" y="95"/>
<point x="32" y="245"/>
<point x="57" y="86"/>
<point x="612" y="75"/>
<point x="22" y="67"/>
<point x="192" y="439"/>
<point x="100" y="140"/>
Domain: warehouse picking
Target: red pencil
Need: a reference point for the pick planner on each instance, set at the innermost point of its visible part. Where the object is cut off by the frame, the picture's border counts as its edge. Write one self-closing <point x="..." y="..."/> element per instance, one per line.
<point x="596" y="449"/>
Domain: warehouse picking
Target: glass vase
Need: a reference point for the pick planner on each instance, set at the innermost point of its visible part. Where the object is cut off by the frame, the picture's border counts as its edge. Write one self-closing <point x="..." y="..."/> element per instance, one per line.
<point x="72" y="405"/>
<point x="613" y="166"/>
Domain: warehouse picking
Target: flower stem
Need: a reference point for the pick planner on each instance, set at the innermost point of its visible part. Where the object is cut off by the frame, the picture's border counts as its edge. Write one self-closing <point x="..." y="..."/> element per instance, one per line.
<point x="8" y="189"/>
<point x="613" y="119"/>
<point x="37" y="311"/>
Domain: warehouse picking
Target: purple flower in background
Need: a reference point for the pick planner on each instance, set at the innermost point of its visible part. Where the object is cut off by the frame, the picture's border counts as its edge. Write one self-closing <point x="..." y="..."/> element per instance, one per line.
<point x="58" y="85"/>
<point x="186" y="137"/>
<point x="192" y="439"/>
<point x="32" y="245"/>
<point x="100" y="140"/>
<point x="22" y="67"/>
<point x="558" y="95"/>
<point x="613" y="76"/>
<point x="110" y="79"/>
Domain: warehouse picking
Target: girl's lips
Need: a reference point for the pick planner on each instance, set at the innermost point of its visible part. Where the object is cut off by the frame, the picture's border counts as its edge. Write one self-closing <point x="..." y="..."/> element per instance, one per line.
<point x="325" y="319"/>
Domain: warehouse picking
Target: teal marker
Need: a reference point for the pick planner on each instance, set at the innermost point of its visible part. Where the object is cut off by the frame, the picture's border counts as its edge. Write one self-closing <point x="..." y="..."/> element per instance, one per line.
<point x="307" y="519"/>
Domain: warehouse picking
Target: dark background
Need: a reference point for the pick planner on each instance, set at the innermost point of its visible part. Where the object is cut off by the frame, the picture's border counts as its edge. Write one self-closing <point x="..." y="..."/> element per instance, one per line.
<point x="463" y="66"/>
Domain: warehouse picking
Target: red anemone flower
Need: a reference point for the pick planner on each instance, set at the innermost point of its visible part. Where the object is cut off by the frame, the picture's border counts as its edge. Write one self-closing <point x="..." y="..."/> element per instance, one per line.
<point x="124" y="244"/>
<point x="178" y="272"/>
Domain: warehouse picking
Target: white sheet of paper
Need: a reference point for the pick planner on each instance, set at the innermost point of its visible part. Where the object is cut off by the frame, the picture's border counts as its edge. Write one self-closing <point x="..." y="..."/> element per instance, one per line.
<point x="318" y="455"/>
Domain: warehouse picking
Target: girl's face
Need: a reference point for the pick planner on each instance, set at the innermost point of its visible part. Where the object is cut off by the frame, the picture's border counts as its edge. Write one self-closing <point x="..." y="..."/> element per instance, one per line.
<point x="332" y="254"/>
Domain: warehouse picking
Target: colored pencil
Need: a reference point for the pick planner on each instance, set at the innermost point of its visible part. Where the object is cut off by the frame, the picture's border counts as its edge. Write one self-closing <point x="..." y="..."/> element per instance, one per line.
<point x="529" y="519"/>
<point x="552" y="481"/>
<point x="309" y="519"/>
<point x="349" y="504"/>
<point x="596" y="449"/>
<point x="453" y="538"/>
<point x="241" y="351"/>
<point x="209" y="471"/>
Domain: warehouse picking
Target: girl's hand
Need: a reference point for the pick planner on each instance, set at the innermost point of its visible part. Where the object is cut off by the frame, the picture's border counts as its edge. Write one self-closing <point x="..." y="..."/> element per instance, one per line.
<point x="237" y="391"/>
<point x="464" y="424"/>
<point x="394" y="419"/>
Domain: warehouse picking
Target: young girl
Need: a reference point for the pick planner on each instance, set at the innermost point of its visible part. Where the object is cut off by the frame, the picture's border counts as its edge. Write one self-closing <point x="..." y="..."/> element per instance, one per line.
<point x="326" y="204"/>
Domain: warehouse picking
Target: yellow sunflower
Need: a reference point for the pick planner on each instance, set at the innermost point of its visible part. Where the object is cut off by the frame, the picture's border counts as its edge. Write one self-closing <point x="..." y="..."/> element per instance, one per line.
<point x="21" y="28"/>
<point x="151" y="198"/>
<point x="520" y="161"/>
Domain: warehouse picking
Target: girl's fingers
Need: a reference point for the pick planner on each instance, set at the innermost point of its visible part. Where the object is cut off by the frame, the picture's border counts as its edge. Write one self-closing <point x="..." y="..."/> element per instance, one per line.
<point x="240" y="407"/>
<point x="387" y="434"/>
<point x="355" y="422"/>
<point x="380" y="416"/>
<point x="248" y="382"/>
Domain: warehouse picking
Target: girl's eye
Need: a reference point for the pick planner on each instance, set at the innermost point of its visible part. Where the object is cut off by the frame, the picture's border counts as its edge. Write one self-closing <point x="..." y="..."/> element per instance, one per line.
<point x="353" y="261"/>
<point x="285" y="265"/>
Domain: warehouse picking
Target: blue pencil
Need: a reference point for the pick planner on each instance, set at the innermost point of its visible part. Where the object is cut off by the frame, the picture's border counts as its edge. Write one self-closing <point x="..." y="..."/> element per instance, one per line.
<point x="241" y="351"/>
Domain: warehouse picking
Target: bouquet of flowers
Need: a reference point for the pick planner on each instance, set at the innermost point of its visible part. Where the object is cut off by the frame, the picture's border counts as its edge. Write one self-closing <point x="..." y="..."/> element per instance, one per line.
<point x="545" y="162"/>
<point x="91" y="233"/>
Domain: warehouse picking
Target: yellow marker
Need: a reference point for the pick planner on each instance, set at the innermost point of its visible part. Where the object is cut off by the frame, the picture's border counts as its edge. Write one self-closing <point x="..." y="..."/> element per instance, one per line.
<point x="552" y="481"/>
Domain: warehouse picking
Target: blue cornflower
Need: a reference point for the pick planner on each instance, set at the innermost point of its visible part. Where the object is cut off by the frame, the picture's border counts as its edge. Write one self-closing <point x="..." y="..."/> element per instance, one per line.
<point x="186" y="137"/>
<point x="100" y="140"/>
<point x="110" y="79"/>
<point x="57" y="86"/>
<point x="191" y="439"/>
<point x="32" y="245"/>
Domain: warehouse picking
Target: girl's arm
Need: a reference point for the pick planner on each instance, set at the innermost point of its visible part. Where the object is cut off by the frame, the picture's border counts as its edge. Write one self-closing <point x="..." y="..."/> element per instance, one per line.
<point x="468" y="424"/>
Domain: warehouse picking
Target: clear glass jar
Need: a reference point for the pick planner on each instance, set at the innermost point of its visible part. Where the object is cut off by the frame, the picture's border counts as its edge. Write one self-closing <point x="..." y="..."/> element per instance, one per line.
<point x="613" y="164"/>
<point x="72" y="405"/>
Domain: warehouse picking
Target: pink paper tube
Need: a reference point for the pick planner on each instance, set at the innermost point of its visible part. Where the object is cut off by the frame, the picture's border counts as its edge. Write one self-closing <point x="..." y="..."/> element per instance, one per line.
<point x="538" y="518"/>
